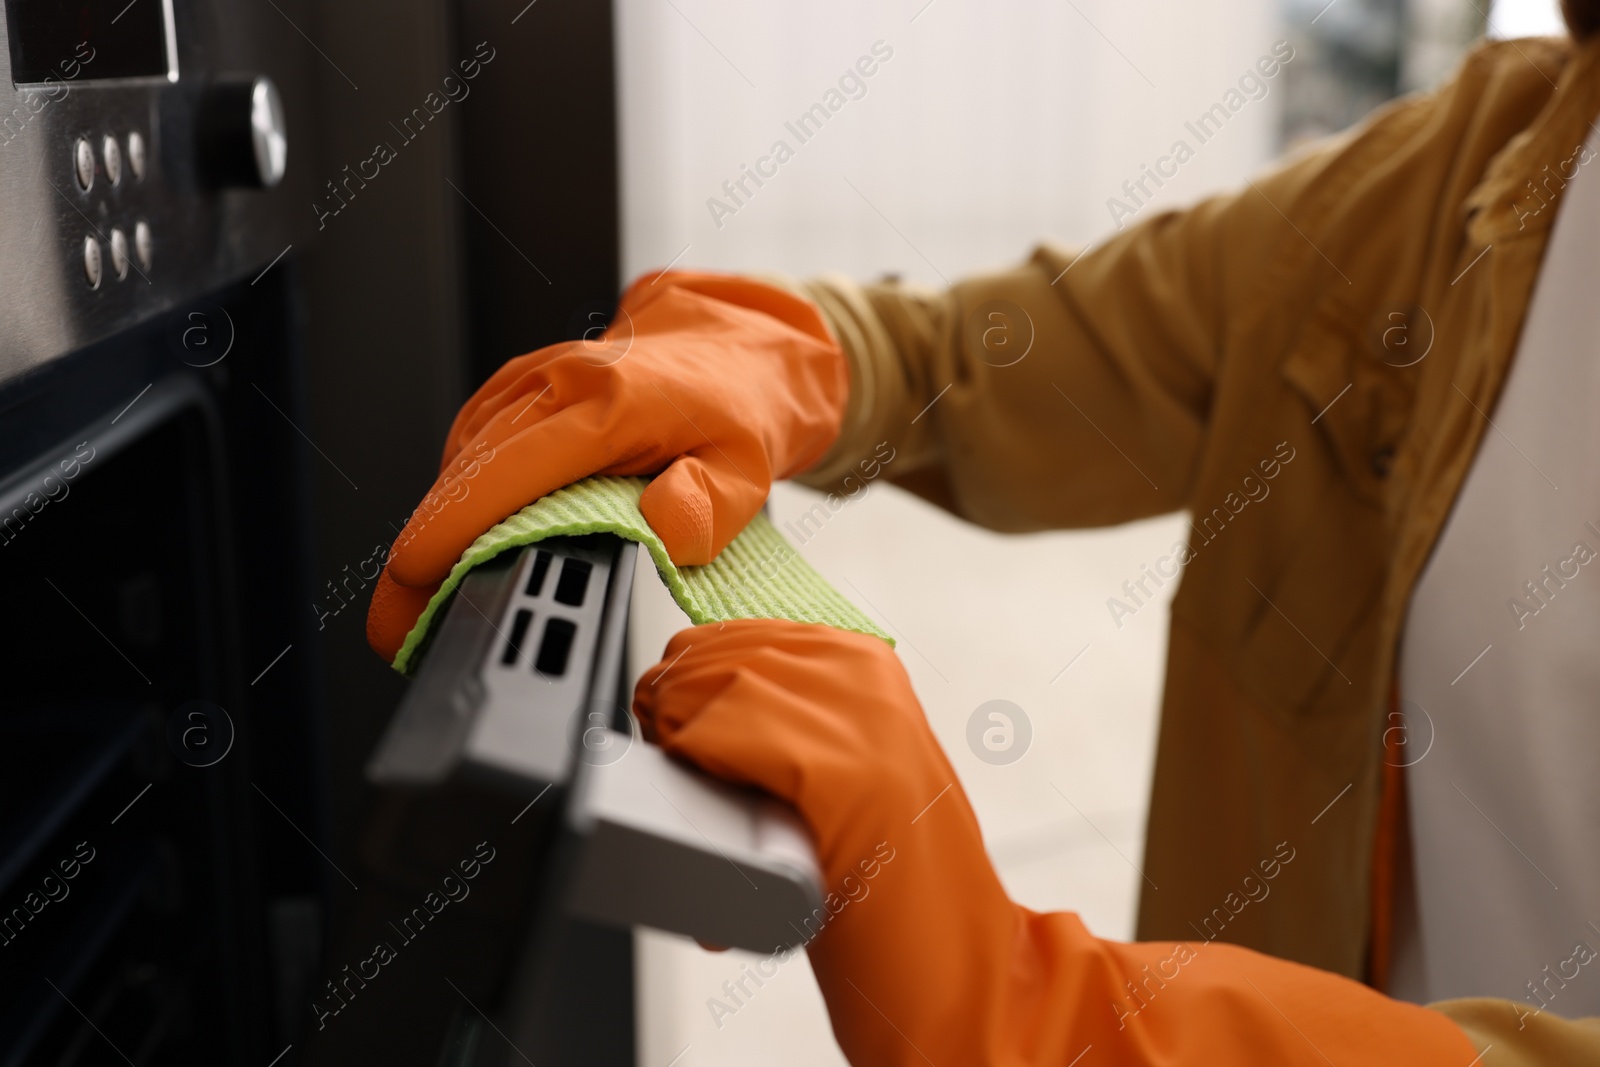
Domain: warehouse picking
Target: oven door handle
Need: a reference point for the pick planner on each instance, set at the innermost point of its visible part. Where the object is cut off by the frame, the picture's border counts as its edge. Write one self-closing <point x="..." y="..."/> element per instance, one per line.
<point x="666" y="846"/>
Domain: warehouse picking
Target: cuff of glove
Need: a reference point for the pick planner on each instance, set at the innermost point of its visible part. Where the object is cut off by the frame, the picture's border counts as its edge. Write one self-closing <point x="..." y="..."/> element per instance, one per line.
<point x="853" y="443"/>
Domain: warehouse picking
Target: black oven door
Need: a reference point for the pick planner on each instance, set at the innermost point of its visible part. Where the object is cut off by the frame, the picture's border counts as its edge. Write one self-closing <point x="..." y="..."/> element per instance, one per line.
<point x="161" y="891"/>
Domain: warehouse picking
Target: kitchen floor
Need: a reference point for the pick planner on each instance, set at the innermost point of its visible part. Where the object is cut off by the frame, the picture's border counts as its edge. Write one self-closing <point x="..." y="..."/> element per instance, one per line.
<point x="979" y="617"/>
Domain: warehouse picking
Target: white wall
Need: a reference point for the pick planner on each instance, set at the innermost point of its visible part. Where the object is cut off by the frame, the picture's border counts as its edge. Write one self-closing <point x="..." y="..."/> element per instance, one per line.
<point x="990" y="127"/>
<point x="1526" y="18"/>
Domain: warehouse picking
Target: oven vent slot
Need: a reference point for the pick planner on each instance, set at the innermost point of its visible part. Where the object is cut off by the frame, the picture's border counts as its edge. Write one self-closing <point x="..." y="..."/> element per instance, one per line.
<point x="574" y="581"/>
<point x="519" y="630"/>
<point x="541" y="567"/>
<point x="556" y="646"/>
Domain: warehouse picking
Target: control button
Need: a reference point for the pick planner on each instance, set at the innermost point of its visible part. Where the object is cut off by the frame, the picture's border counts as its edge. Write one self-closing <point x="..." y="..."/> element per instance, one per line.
<point x="111" y="152"/>
<point x="119" y="253"/>
<point x="83" y="163"/>
<point x="91" y="262"/>
<point x="141" y="244"/>
<point x="136" y="155"/>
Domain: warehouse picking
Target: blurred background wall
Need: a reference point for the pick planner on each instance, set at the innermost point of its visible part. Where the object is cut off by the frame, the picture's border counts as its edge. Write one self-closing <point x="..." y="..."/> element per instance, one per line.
<point x="988" y="128"/>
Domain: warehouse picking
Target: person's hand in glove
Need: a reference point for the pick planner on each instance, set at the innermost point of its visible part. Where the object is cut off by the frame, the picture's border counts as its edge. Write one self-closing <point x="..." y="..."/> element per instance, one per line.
<point x="932" y="963"/>
<point x="718" y="384"/>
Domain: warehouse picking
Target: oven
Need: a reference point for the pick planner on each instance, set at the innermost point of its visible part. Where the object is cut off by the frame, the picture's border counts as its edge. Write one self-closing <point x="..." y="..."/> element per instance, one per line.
<point x="162" y="892"/>
<point x="216" y="395"/>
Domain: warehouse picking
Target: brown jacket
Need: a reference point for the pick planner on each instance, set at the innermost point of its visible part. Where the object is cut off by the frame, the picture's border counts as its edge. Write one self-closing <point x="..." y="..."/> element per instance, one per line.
<point x="1305" y="366"/>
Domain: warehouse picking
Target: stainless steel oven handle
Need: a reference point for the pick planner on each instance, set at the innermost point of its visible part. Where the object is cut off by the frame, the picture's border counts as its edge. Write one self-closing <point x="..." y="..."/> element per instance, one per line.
<point x="649" y="841"/>
<point x="666" y="846"/>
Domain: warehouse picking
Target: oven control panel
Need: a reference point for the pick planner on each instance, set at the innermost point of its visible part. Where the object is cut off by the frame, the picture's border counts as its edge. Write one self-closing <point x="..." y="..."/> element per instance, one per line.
<point x="145" y="154"/>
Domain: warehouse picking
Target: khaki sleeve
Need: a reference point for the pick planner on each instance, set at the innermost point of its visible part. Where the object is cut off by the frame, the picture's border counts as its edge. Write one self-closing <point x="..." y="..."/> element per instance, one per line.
<point x="1071" y="390"/>
<point x="1509" y="1034"/>
<point x="1077" y="388"/>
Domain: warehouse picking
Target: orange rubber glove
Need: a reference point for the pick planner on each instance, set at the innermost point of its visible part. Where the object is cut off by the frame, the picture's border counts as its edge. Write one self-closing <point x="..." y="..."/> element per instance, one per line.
<point x="718" y="383"/>
<point x="924" y="959"/>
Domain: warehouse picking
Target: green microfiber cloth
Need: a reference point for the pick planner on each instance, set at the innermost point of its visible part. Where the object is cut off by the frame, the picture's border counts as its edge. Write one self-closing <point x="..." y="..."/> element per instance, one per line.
<point x="758" y="576"/>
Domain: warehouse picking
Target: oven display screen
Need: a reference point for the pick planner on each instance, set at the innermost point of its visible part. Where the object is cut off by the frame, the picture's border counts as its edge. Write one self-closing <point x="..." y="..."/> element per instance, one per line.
<point x="67" y="40"/>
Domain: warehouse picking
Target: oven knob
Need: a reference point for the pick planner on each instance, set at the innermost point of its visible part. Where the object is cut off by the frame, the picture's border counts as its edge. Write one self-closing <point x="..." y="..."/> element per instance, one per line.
<point x="240" y="131"/>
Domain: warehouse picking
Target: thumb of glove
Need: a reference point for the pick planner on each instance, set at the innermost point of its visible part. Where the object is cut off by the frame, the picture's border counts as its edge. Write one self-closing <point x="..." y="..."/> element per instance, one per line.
<point x="700" y="503"/>
<point x="394" y="611"/>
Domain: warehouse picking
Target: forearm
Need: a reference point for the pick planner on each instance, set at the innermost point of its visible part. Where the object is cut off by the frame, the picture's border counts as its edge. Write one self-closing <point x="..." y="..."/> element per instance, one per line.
<point x="931" y="955"/>
<point x="1062" y="392"/>
<point x="889" y="334"/>
<point x="1060" y="992"/>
